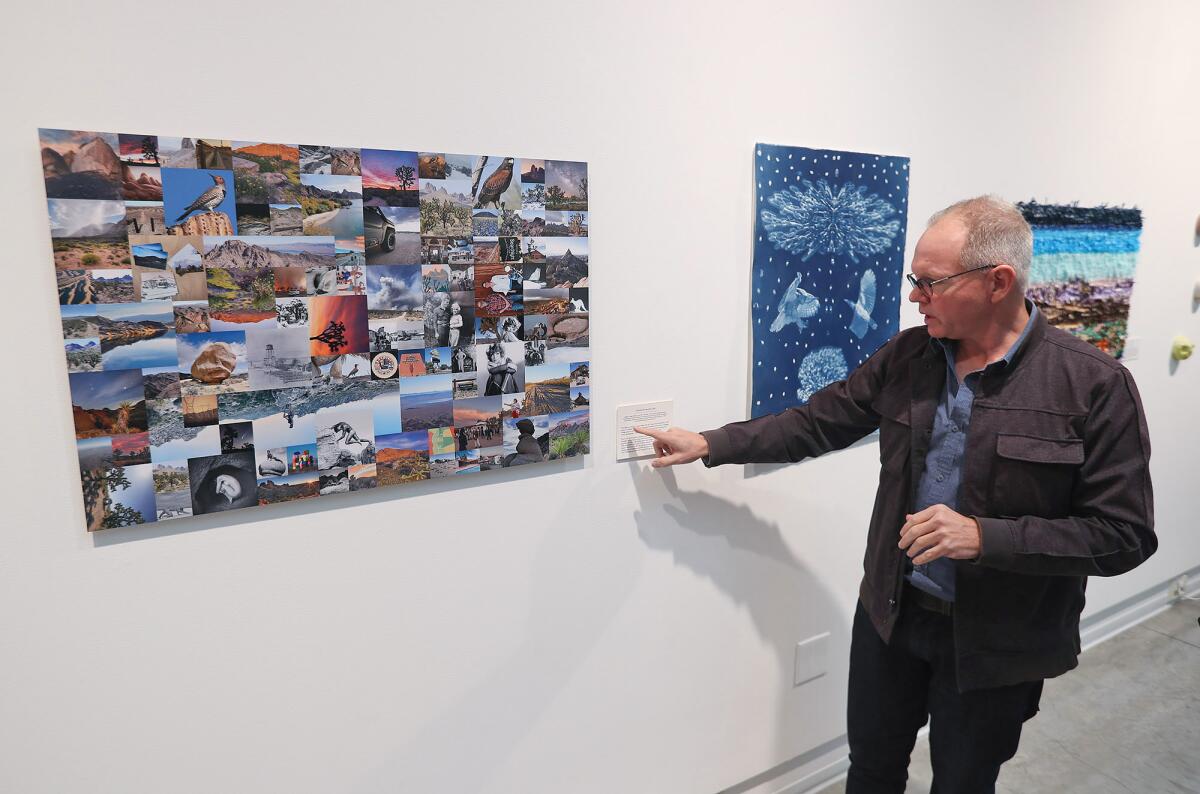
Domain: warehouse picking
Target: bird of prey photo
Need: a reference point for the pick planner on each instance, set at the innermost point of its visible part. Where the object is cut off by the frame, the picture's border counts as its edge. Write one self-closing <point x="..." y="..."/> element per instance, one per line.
<point x="209" y="200"/>
<point x="866" y="304"/>
<point x="495" y="185"/>
<point x="796" y="306"/>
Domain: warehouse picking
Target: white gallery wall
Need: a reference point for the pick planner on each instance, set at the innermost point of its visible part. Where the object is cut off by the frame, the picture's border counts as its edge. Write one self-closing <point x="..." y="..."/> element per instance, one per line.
<point x="599" y="627"/>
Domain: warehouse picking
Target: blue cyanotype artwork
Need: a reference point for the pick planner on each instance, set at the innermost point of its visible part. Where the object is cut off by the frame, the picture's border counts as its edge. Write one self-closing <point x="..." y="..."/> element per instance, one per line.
<point x="828" y="256"/>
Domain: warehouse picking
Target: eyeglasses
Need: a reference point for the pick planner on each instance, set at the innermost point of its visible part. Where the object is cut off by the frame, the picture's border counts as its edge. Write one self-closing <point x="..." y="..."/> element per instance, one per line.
<point x="926" y="285"/>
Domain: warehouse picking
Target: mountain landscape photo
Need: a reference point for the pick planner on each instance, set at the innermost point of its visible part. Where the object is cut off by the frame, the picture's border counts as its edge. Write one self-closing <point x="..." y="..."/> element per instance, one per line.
<point x="151" y="255"/>
<point x="266" y="173"/>
<point x="269" y="252"/>
<point x="140" y="183"/>
<point x="566" y="270"/>
<point x="274" y="490"/>
<point x="81" y="165"/>
<point x="112" y="286"/>
<point x="570" y="435"/>
<point x="83" y="355"/>
<point x="88" y="234"/>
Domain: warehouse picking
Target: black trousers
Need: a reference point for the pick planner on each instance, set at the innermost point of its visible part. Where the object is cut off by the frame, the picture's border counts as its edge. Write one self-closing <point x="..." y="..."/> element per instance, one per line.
<point x="895" y="688"/>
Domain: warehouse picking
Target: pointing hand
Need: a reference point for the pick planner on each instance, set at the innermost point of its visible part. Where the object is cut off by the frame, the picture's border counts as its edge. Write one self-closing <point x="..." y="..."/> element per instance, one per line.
<point x="675" y="445"/>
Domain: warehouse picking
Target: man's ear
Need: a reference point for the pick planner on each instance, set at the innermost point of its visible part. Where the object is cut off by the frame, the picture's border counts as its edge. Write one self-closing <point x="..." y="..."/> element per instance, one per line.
<point x="1004" y="281"/>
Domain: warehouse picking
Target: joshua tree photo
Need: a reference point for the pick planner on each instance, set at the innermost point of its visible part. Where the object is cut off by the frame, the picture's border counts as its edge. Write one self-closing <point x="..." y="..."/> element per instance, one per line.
<point x="405" y="175"/>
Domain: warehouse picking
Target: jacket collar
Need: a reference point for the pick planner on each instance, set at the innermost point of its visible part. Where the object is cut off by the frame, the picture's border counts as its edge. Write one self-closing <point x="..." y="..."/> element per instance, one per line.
<point x="1031" y="337"/>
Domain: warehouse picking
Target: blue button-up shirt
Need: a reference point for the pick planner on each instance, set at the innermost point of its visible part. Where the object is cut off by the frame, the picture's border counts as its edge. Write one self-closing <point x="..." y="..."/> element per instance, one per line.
<point x="943" y="465"/>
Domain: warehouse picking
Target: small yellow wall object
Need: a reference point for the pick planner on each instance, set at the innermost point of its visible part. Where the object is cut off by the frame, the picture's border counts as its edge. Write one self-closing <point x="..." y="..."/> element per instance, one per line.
<point x="1182" y="348"/>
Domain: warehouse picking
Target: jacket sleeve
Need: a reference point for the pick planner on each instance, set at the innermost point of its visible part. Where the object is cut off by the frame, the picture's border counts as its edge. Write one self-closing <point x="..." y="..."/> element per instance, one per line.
<point x="1111" y="529"/>
<point x="833" y="418"/>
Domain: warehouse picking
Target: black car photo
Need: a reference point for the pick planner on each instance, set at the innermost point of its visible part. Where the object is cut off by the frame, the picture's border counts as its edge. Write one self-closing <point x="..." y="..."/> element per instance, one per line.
<point x="380" y="232"/>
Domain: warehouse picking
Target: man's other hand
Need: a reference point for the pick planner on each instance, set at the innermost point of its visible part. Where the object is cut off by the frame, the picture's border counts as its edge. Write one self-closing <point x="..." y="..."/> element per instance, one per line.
<point x="675" y="445"/>
<point x="937" y="531"/>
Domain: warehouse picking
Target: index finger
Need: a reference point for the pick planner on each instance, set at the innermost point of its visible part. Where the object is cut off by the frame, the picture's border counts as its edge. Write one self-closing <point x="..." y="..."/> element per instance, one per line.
<point x="658" y="435"/>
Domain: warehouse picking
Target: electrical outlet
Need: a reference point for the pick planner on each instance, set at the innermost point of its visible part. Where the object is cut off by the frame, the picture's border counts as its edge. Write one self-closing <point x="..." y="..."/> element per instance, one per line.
<point x="1178" y="588"/>
<point x="812" y="659"/>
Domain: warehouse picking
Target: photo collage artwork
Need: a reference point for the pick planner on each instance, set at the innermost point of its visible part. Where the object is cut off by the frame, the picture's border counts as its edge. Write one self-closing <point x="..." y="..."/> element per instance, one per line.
<point x="250" y="322"/>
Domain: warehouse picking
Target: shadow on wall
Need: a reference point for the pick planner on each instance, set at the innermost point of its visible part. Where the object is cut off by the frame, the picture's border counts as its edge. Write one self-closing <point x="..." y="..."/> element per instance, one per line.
<point x="570" y="607"/>
<point x="747" y="558"/>
<point x="339" y="501"/>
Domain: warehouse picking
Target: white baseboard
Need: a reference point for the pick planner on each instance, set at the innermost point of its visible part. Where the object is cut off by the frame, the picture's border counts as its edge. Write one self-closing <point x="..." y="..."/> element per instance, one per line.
<point x="1112" y="621"/>
<point x="818" y="779"/>
<point x="818" y="773"/>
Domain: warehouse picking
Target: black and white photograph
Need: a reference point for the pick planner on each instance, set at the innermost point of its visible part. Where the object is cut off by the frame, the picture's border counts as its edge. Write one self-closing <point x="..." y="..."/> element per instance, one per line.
<point x="462" y="319"/>
<point x="291" y="312"/>
<point x="397" y="331"/>
<point x="462" y="358"/>
<point x="222" y="482"/>
<point x="501" y="368"/>
<point x="345" y="437"/>
<point x="535" y="353"/>
<point x="279" y="357"/>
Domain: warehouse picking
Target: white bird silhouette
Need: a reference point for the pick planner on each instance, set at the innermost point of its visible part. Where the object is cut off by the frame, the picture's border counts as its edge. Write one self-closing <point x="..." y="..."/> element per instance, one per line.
<point x="796" y="306"/>
<point x="866" y="304"/>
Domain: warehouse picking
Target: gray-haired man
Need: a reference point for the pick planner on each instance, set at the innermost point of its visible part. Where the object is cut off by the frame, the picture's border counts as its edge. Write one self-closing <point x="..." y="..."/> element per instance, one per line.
<point x="1014" y="464"/>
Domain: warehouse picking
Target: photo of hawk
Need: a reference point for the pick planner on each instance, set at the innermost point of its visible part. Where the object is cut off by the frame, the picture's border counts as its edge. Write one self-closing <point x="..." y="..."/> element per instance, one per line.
<point x="495" y="185"/>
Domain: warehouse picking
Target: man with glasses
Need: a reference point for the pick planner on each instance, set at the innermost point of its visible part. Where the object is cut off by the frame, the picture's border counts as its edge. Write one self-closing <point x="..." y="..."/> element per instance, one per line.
<point x="1014" y="464"/>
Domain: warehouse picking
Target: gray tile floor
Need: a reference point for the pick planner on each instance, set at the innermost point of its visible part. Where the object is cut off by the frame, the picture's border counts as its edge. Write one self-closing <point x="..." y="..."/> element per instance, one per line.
<point x="1126" y="720"/>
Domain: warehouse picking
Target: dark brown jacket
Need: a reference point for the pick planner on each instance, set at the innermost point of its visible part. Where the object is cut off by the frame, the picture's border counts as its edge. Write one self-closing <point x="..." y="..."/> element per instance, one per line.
<point x="1056" y="470"/>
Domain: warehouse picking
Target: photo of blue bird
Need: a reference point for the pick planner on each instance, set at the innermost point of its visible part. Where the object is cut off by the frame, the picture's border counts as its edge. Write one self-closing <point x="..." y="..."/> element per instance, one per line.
<point x="861" y="318"/>
<point x="797" y="306"/>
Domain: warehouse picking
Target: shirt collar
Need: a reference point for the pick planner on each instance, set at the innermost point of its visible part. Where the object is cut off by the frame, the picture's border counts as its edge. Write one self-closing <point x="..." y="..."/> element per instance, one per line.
<point x="950" y="346"/>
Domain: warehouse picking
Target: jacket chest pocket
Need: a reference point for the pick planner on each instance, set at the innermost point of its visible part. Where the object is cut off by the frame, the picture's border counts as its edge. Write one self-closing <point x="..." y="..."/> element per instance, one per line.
<point x="1034" y="476"/>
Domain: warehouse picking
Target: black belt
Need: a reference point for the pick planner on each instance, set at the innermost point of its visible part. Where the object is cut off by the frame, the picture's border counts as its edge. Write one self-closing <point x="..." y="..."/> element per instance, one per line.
<point x="928" y="601"/>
